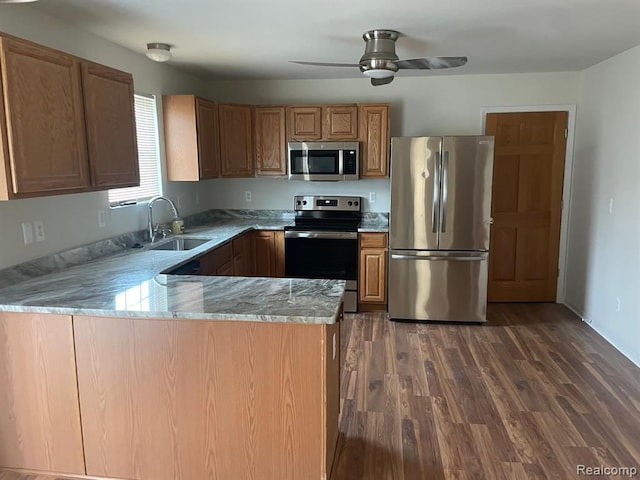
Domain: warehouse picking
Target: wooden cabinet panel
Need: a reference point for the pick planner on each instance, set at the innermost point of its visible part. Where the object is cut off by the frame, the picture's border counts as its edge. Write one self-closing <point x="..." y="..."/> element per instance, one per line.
<point x="226" y="269"/>
<point x="304" y="123"/>
<point x="211" y="262"/>
<point x="191" y="138"/>
<point x="372" y="278"/>
<point x="374" y="135"/>
<point x="39" y="411"/>
<point x="242" y="258"/>
<point x="340" y="122"/>
<point x="271" y="152"/>
<point x="236" y="140"/>
<point x="268" y="251"/>
<point x="110" y="126"/>
<point x="208" y="138"/>
<point x="45" y="145"/>
<point x="182" y="399"/>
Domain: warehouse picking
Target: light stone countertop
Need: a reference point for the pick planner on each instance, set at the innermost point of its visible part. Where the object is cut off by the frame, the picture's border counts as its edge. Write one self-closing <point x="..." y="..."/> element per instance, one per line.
<point x="131" y="283"/>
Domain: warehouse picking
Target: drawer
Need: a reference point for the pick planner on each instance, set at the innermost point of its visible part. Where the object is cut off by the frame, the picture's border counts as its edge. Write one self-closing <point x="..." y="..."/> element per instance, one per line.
<point x="373" y="240"/>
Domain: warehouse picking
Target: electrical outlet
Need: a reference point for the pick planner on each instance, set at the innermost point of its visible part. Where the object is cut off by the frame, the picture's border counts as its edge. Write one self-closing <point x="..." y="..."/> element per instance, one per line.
<point x="247" y="196"/>
<point x="618" y="304"/>
<point x="27" y="233"/>
<point x="102" y="218"/>
<point x="38" y="228"/>
<point x="611" y="205"/>
<point x="372" y="197"/>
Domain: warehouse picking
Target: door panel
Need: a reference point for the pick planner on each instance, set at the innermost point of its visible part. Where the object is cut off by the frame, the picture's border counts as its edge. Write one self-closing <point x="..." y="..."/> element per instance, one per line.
<point x="438" y="287"/>
<point x="526" y="206"/>
<point x="413" y="183"/>
<point x="467" y="165"/>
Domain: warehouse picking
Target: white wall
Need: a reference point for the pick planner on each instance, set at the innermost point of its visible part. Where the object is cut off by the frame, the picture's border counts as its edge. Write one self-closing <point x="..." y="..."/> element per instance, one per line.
<point x="440" y="105"/>
<point x="604" y="247"/>
<point x="72" y="220"/>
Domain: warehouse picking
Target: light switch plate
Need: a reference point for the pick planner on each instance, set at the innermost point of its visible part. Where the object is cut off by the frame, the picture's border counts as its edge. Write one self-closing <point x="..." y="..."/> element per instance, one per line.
<point x="27" y="233"/>
<point x="38" y="228"/>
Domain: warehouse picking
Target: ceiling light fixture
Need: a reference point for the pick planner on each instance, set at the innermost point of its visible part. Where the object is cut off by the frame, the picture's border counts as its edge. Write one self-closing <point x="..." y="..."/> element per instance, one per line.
<point x="378" y="73"/>
<point x="159" y="52"/>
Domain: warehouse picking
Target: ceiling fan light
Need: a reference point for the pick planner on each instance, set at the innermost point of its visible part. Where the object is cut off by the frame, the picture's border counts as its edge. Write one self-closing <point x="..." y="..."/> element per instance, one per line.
<point x="159" y="52"/>
<point x="378" y="73"/>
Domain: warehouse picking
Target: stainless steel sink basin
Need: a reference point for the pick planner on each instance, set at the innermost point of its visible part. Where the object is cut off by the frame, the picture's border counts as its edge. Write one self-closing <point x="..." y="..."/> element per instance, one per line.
<point x="177" y="244"/>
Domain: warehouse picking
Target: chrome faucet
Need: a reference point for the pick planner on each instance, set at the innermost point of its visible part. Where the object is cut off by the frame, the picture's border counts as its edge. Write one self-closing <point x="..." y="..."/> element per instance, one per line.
<point x="155" y="229"/>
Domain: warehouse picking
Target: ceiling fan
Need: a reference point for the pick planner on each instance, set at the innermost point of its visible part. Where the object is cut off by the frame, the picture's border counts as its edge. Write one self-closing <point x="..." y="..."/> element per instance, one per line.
<point x="380" y="62"/>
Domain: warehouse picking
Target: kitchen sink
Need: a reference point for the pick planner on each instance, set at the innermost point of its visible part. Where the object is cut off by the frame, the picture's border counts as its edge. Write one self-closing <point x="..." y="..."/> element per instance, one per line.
<point x="180" y="244"/>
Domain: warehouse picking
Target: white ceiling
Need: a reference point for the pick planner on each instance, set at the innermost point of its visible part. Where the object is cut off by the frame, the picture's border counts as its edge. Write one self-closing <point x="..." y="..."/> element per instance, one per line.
<point x="257" y="38"/>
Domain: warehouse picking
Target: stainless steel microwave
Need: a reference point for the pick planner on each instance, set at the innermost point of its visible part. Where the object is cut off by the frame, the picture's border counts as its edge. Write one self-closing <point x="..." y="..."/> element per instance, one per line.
<point x="323" y="161"/>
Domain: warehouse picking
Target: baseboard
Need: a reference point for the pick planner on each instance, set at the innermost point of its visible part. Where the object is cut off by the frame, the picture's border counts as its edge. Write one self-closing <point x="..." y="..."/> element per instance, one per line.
<point x="635" y="358"/>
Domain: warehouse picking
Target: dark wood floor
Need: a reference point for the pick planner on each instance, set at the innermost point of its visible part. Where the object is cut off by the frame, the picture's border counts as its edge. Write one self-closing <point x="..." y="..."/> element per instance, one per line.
<point x="531" y="394"/>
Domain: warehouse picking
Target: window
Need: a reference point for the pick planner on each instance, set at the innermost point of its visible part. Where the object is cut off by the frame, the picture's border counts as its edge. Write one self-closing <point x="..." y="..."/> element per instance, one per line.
<point x="148" y="155"/>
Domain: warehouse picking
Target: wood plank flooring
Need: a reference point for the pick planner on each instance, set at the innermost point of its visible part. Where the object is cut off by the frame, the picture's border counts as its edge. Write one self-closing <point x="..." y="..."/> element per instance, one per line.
<point x="529" y="395"/>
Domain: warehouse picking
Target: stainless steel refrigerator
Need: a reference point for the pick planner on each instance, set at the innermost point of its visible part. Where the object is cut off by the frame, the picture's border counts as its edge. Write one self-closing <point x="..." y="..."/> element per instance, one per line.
<point x="439" y="227"/>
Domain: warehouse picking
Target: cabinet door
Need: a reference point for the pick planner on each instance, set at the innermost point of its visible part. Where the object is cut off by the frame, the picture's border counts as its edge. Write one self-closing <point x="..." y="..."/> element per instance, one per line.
<point x="374" y="135"/>
<point x="208" y="140"/>
<point x="340" y="122"/>
<point x="110" y="126"/>
<point x="44" y="120"/>
<point x="226" y="269"/>
<point x="39" y="410"/>
<point x="278" y="240"/>
<point x="265" y="254"/>
<point x="372" y="281"/>
<point x="236" y="140"/>
<point x="304" y="123"/>
<point x="271" y="156"/>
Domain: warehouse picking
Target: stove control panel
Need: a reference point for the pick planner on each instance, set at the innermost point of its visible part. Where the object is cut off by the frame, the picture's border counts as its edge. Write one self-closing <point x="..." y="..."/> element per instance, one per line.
<point x="325" y="202"/>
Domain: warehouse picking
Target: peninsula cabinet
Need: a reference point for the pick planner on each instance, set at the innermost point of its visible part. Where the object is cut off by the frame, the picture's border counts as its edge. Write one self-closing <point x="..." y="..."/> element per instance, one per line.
<point x="268" y="253"/>
<point x="374" y="140"/>
<point x="39" y="410"/>
<point x="66" y="125"/>
<point x="236" y="140"/>
<point x="191" y="138"/>
<point x="163" y="399"/>
<point x="372" y="277"/>
<point x="270" y="141"/>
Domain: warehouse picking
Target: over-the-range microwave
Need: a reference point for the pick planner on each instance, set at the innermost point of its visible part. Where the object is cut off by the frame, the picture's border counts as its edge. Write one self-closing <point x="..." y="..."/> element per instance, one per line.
<point x="323" y="161"/>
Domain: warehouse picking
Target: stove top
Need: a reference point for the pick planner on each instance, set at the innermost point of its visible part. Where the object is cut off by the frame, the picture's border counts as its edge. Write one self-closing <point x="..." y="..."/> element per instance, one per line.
<point x="327" y="213"/>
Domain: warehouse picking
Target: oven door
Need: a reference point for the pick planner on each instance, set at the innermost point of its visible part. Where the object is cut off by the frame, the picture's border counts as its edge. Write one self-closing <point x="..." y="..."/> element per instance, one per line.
<point x="330" y="255"/>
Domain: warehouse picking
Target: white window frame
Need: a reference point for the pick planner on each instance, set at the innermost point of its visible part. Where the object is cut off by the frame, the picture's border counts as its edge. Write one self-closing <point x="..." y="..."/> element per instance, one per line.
<point x="148" y="157"/>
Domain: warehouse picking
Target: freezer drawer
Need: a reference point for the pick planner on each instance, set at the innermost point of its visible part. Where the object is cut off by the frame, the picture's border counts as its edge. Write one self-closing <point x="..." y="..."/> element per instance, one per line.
<point x="438" y="286"/>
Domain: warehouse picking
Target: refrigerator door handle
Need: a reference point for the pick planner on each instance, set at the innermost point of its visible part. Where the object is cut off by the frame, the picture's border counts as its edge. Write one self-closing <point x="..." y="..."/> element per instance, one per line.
<point x="435" y="205"/>
<point x="443" y="258"/>
<point x="445" y="191"/>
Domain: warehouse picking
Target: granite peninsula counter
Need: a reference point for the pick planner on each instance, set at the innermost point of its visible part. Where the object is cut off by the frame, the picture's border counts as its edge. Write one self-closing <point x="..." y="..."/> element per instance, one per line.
<point x="139" y="374"/>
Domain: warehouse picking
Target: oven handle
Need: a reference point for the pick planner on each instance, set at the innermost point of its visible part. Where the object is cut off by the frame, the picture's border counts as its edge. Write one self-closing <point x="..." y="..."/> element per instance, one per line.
<point x="322" y="235"/>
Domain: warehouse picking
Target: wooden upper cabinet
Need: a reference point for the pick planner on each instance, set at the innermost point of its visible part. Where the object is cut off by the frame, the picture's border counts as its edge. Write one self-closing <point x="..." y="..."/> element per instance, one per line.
<point x="340" y="122"/>
<point x="271" y="154"/>
<point x="42" y="130"/>
<point x="110" y="126"/>
<point x="236" y="140"/>
<point x="304" y="123"/>
<point x="374" y="138"/>
<point x="191" y="138"/>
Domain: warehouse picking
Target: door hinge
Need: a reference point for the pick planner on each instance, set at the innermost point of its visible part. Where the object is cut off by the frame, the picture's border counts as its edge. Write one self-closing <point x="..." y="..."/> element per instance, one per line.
<point x="566" y="133"/>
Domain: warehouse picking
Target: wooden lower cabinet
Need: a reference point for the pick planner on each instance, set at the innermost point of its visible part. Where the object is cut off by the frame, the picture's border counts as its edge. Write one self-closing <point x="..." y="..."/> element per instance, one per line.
<point x="372" y="276"/>
<point x="39" y="411"/>
<point x="166" y="399"/>
<point x="268" y="253"/>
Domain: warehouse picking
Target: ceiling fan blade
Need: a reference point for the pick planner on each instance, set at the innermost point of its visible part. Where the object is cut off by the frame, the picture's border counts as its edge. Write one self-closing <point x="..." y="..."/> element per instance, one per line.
<point x="381" y="81"/>
<point x="324" y="64"/>
<point x="431" y="63"/>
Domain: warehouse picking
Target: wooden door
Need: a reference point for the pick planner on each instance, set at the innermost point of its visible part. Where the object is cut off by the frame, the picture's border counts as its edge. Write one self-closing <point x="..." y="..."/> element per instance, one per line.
<point x="271" y="155"/>
<point x="341" y="122"/>
<point x="264" y="254"/>
<point x="44" y="119"/>
<point x="110" y="126"/>
<point x="236" y="140"/>
<point x="374" y="138"/>
<point x="304" y="123"/>
<point x="208" y="139"/>
<point x="526" y="205"/>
